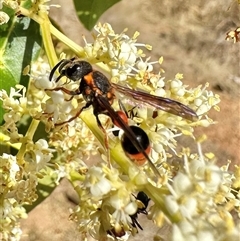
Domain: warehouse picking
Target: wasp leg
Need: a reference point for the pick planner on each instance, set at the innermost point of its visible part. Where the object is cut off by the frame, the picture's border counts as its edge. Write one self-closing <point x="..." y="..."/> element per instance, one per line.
<point x="70" y="98"/>
<point x="135" y="223"/>
<point x="69" y="92"/>
<point x="106" y="140"/>
<point x="75" y="116"/>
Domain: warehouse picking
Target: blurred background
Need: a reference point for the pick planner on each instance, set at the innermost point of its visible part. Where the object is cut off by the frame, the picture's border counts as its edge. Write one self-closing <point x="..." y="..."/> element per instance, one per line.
<point x="190" y="35"/>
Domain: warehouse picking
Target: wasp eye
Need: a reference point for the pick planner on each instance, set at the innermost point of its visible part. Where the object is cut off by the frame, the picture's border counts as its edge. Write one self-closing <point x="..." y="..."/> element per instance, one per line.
<point x="73" y="72"/>
<point x="77" y="70"/>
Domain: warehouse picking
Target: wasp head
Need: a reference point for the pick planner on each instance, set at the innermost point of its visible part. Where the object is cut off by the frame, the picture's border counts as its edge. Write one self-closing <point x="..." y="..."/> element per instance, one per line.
<point x="72" y="69"/>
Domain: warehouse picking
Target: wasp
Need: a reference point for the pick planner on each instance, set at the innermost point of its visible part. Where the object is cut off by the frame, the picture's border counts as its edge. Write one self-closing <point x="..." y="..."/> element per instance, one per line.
<point x="99" y="93"/>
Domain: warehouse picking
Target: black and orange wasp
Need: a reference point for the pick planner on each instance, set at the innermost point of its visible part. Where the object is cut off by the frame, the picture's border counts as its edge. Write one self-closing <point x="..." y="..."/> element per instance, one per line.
<point x="99" y="93"/>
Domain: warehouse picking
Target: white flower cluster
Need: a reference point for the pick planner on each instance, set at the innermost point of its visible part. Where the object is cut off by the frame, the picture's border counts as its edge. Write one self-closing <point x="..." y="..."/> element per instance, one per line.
<point x="196" y="195"/>
<point x="15" y="108"/>
<point x="19" y="174"/>
<point x="41" y="5"/>
<point x="36" y="7"/>
<point x="11" y="213"/>
<point x="18" y="186"/>
<point x="199" y="202"/>
<point x="119" y="51"/>
<point x="4" y="18"/>
<point x="109" y="201"/>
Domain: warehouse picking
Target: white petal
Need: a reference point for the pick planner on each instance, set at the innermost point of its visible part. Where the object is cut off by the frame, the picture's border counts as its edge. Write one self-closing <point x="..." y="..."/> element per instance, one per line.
<point x="131" y="208"/>
<point x="182" y="184"/>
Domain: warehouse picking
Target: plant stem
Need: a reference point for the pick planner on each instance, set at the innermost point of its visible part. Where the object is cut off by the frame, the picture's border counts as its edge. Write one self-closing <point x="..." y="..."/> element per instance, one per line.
<point x="47" y="40"/>
<point x="48" y="28"/>
<point x="29" y="136"/>
<point x="78" y="50"/>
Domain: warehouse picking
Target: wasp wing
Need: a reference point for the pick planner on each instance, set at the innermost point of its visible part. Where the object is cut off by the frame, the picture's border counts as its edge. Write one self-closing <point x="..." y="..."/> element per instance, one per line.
<point x="165" y="104"/>
<point x="128" y="132"/>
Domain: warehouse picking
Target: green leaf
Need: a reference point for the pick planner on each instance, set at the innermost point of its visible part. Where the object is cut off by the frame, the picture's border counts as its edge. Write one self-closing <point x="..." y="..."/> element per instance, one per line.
<point x="20" y="44"/>
<point x="89" y="11"/>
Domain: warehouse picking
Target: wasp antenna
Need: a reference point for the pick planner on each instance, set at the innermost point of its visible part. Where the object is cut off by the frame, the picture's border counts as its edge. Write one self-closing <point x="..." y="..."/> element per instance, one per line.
<point x="54" y="69"/>
<point x="59" y="77"/>
<point x="63" y="63"/>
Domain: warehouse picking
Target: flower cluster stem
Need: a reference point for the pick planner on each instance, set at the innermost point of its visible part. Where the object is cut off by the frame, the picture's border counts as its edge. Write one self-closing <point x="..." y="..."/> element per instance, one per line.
<point x="29" y="136"/>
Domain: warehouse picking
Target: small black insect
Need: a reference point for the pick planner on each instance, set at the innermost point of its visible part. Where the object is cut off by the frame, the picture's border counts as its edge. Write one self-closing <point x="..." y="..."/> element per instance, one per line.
<point x="143" y="201"/>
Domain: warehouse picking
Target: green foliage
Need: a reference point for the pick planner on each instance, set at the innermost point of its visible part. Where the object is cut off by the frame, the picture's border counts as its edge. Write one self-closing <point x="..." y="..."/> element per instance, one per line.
<point x="89" y="11"/>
